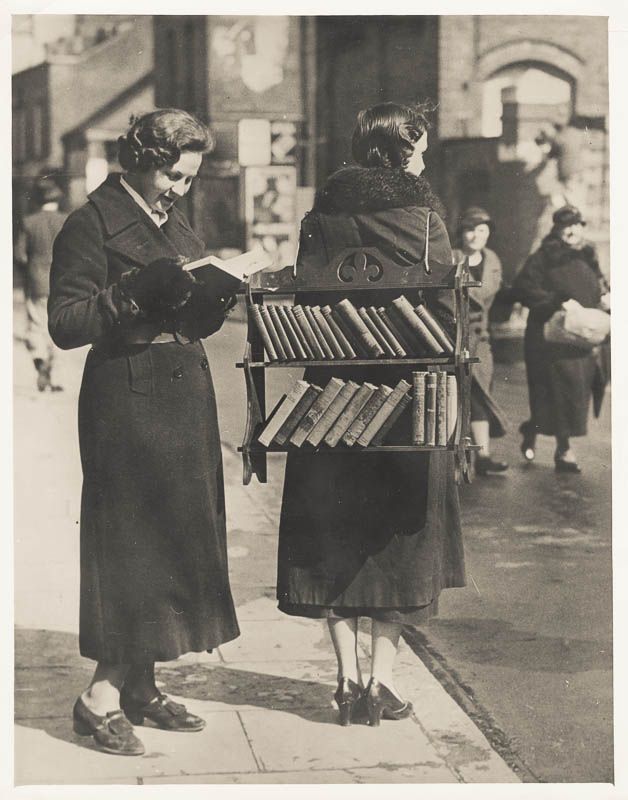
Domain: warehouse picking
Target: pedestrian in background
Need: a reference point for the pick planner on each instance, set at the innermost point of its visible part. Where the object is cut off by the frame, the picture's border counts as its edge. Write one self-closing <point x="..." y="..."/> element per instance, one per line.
<point x="561" y="377"/>
<point x="154" y="577"/>
<point x="375" y="535"/>
<point x="34" y="254"/>
<point x="474" y="230"/>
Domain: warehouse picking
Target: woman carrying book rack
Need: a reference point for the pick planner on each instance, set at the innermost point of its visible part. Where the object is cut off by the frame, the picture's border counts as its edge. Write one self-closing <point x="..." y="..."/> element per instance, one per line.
<point x="376" y="535"/>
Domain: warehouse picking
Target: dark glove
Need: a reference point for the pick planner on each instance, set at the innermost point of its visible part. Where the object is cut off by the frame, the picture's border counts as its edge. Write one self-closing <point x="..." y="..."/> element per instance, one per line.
<point x="158" y="288"/>
<point x="204" y="313"/>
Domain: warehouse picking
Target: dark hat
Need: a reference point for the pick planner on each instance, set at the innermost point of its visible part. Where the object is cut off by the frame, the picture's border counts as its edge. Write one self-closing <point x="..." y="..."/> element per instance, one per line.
<point x="474" y="215"/>
<point x="566" y="216"/>
<point x="47" y="191"/>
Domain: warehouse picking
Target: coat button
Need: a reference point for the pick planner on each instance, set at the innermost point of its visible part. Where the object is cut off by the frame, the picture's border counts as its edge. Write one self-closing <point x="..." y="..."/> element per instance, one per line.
<point x="177" y="374"/>
<point x="204" y="363"/>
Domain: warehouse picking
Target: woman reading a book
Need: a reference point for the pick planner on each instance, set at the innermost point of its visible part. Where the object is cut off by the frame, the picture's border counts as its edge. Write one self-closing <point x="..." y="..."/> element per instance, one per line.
<point x="374" y="535"/>
<point x="487" y="420"/>
<point x="154" y="580"/>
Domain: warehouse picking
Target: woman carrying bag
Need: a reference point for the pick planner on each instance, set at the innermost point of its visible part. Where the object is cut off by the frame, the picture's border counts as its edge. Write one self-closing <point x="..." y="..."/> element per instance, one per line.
<point x="154" y="579"/>
<point x="374" y="535"/>
<point x="562" y="275"/>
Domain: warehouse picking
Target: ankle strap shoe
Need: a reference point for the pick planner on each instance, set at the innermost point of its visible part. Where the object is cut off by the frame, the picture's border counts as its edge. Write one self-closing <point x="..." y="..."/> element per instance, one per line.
<point x="113" y="733"/>
<point x="161" y="710"/>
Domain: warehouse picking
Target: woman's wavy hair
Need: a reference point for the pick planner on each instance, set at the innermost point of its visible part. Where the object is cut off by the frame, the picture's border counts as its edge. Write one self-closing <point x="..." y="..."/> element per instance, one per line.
<point x="385" y="134"/>
<point x="158" y="138"/>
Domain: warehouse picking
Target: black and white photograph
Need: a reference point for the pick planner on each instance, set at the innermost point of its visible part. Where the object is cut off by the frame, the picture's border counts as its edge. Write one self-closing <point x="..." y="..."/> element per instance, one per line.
<point x="311" y="399"/>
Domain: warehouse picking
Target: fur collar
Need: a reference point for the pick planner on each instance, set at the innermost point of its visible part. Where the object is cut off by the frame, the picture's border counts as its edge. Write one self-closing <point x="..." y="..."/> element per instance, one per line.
<point x="558" y="252"/>
<point x="357" y="190"/>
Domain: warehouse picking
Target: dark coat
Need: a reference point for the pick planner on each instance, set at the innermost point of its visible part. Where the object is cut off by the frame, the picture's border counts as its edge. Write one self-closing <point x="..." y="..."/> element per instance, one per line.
<point x="560" y="377"/>
<point x="369" y="532"/>
<point x="154" y="580"/>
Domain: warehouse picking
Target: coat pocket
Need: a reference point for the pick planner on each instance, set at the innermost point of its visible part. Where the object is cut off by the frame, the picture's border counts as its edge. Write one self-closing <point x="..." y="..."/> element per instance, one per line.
<point x="141" y="372"/>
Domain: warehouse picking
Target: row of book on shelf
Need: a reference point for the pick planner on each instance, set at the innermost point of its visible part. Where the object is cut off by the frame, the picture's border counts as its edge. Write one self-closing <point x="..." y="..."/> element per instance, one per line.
<point x="342" y="331"/>
<point x="349" y="413"/>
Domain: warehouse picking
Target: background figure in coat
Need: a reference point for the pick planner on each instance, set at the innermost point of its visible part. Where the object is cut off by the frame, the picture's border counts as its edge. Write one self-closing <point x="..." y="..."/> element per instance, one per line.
<point x="154" y="580"/>
<point x="34" y="253"/>
<point x="474" y="230"/>
<point x="561" y="377"/>
<point x="374" y="535"/>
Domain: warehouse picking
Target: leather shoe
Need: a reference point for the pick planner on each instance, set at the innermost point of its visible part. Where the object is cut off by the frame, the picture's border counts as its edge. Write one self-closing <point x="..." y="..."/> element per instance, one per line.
<point x="485" y="464"/>
<point x="381" y="702"/>
<point x="560" y="465"/>
<point x="113" y="733"/>
<point x="164" y="712"/>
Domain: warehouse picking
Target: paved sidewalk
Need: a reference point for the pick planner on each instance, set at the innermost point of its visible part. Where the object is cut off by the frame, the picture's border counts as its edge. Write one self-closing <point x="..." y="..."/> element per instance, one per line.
<point x="267" y="696"/>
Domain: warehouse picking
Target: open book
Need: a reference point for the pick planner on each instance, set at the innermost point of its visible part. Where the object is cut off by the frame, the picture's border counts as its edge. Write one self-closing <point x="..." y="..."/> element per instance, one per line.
<point x="240" y="267"/>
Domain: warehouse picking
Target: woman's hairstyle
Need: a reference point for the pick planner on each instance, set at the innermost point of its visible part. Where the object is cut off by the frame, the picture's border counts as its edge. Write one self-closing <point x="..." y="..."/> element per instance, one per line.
<point x="385" y="134"/>
<point x="157" y="139"/>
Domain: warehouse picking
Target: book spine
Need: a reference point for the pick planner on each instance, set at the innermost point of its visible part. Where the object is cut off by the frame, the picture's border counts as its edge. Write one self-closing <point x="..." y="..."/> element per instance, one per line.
<point x="384" y="412"/>
<point x="430" y="409"/>
<point x="326" y="349"/>
<point x="292" y="334"/>
<point x="345" y="345"/>
<point x="296" y="415"/>
<point x="316" y="411"/>
<point x="437" y="330"/>
<point x="327" y="332"/>
<point x="330" y="416"/>
<point x="389" y="337"/>
<point x="355" y="405"/>
<point x="441" y="408"/>
<point x="376" y="333"/>
<point x="282" y="412"/>
<point x="404" y="341"/>
<point x="418" y="407"/>
<point x="356" y="344"/>
<point x="309" y="334"/>
<point x="283" y="336"/>
<point x="380" y="437"/>
<point x="354" y="321"/>
<point x="368" y="411"/>
<point x="452" y="406"/>
<point x="263" y="332"/>
<point x="309" y="353"/>
<point x="268" y="322"/>
<point x="420" y="330"/>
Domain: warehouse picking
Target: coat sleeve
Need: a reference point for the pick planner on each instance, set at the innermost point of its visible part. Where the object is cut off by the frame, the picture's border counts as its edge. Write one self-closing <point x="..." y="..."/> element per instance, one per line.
<point x="531" y="290"/>
<point x="81" y="307"/>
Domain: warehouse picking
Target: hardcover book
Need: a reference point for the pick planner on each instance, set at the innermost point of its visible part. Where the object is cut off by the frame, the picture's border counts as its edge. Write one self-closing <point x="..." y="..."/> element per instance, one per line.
<point x="345" y="344"/>
<point x="263" y="332"/>
<point x="366" y="414"/>
<point x="437" y="330"/>
<point x="376" y="333"/>
<point x="270" y="327"/>
<point x="388" y="406"/>
<point x="430" y="409"/>
<point x="283" y="411"/>
<point x="418" y="407"/>
<point x="391" y="340"/>
<point x="452" y="406"/>
<point x="289" y="327"/>
<point x="316" y="411"/>
<point x="309" y="334"/>
<point x="441" y="408"/>
<point x="327" y="332"/>
<point x="334" y="410"/>
<point x="301" y="408"/>
<point x="382" y="434"/>
<point x="404" y="340"/>
<point x="327" y="351"/>
<point x="353" y="408"/>
<point x="351" y="336"/>
<point x="419" y="329"/>
<point x="353" y="320"/>
<point x="282" y="333"/>
<point x="309" y="353"/>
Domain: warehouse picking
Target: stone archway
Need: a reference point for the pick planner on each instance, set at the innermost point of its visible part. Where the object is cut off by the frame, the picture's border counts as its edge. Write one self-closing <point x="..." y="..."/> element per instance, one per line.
<point x="531" y="51"/>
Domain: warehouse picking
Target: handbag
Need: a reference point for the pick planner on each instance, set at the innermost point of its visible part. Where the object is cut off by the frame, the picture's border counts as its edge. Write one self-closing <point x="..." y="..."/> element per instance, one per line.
<point x="575" y="325"/>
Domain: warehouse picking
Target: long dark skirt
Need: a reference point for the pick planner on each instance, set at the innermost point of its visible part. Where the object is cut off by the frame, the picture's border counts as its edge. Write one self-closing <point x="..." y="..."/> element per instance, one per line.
<point x="154" y="577"/>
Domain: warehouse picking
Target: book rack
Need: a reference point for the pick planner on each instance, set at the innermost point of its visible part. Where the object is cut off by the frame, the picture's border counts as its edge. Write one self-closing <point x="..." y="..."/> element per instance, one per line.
<point x="363" y="269"/>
